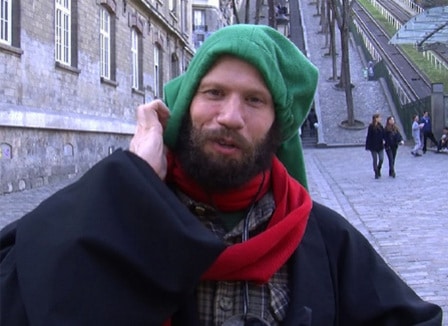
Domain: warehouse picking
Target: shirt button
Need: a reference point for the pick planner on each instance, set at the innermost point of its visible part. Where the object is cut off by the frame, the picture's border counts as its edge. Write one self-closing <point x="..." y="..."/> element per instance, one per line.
<point x="226" y="303"/>
<point x="199" y="210"/>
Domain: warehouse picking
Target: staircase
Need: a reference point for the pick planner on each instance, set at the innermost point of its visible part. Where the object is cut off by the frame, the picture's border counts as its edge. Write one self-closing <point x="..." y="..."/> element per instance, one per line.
<point x="309" y="140"/>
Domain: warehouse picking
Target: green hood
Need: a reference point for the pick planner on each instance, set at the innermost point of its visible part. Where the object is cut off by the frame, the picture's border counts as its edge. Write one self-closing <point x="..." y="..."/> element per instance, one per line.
<point x="290" y="76"/>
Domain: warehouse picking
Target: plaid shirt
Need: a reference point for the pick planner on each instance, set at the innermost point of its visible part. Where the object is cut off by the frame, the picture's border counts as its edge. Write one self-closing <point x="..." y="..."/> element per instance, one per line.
<point x="220" y="300"/>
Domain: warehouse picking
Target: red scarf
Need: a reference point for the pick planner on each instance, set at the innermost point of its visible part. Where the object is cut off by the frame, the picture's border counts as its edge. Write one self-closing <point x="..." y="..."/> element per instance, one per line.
<point x="261" y="256"/>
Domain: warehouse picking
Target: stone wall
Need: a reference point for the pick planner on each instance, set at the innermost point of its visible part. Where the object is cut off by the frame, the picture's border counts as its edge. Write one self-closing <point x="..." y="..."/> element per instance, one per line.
<point x="56" y="121"/>
<point x="31" y="158"/>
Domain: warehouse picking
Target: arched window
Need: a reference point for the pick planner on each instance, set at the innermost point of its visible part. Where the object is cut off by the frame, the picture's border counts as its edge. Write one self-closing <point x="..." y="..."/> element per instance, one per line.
<point x="5" y="151"/>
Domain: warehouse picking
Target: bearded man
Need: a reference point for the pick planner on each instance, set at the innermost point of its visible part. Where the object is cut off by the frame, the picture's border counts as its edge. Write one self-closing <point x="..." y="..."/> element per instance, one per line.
<point x="206" y="220"/>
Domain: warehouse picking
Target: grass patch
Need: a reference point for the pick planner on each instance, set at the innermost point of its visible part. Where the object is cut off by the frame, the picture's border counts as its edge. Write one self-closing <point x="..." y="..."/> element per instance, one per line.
<point x="434" y="75"/>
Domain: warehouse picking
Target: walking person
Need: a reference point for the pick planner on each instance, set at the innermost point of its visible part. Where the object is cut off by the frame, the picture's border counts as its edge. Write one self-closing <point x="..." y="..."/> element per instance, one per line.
<point x="392" y="138"/>
<point x="370" y="71"/>
<point x="416" y="128"/>
<point x="375" y="143"/>
<point x="427" y="131"/>
<point x="312" y="122"/>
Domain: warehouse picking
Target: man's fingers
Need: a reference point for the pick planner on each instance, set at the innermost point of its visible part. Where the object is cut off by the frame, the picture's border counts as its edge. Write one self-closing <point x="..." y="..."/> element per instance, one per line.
<point x="148" y="138"/>
<point x="151" y="114"/>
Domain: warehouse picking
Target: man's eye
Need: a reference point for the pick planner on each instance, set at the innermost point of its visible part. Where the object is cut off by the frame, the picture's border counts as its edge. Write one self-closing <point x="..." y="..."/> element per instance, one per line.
<point x="254" y="100"/>
<point x="213" y="92"/>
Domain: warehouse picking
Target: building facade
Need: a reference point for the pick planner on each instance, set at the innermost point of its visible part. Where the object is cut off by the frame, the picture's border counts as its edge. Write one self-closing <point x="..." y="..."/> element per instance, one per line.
<point x="72" y="73"/>
<point x="209" y="16"/>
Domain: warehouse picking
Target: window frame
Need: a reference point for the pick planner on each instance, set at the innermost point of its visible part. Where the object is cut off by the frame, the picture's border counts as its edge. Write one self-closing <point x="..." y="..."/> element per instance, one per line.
<point x="183" y="16"/>
<point x="199" y="18"/>
<point x="175" y="66"/>
<point x="135" y="40"/>
<point x="6" y="22"/>
<point x="172" y="5"/>
<point x="157" y="93"/>
<point x="63" y="32"/>
<point x="105" y="43"/>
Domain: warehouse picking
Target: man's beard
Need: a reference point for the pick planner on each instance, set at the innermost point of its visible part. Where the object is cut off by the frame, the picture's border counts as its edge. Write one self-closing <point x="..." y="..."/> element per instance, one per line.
<point x="218" y="172"/>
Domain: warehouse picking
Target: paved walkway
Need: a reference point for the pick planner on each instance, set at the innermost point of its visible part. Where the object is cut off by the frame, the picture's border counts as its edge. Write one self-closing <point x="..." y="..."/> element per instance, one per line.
<point x="405" y="219"/>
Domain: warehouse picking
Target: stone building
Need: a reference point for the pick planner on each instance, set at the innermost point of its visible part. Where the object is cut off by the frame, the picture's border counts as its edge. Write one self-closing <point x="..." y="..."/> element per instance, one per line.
<point x="209" y="16"/>
<point x="72" y="73"/>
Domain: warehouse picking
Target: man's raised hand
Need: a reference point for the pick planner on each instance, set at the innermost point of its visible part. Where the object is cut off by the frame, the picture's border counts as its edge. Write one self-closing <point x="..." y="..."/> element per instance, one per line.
<point x="147" y="141"/>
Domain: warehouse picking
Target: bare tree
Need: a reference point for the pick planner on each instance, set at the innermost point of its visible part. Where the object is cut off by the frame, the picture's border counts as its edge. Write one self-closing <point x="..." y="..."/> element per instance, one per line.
<point x="331" y="16"/>
<point x="322" y="14"/>
<point x="258" y="11"/>
<point x="318" y="7"/>
<point x="247" y="12"/>
<point x="342" y="14"/>
<point x="327" y="22"/>
<point x="235" y="12"/>
<point x="272" y="19"/>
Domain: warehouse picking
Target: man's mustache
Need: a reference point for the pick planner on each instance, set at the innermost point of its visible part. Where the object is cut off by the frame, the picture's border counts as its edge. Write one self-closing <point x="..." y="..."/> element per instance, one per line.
<point x="227" y="134"/>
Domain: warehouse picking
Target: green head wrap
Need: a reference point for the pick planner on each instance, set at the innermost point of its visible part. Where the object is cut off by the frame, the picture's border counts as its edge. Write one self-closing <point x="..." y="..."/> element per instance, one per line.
<point x="289" y="75"/>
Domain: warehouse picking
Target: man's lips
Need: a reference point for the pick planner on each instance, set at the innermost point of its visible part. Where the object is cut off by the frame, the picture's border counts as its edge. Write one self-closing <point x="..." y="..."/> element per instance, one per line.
<point x="225" y="146"/>
<point x="226" y="142"/>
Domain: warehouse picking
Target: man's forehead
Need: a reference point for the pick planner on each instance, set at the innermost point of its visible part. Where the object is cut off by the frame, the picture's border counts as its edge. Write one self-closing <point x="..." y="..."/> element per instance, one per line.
<point x="230" y="59"/>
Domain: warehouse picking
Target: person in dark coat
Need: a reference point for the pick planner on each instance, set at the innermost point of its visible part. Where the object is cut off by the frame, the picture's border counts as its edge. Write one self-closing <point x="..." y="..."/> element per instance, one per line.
<point x="392" y="139"/>
<point x="427" y="131"/>
<point x="375" y="143"/>
<point x="206" y="219"/>
<point x="312" y="121"/>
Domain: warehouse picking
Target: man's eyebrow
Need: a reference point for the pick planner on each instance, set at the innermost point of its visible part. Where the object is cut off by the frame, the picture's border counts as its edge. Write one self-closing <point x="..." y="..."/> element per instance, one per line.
<point x="210" y="80"/>
<point x="216" y="82"/>
<point x="205" y="82"/>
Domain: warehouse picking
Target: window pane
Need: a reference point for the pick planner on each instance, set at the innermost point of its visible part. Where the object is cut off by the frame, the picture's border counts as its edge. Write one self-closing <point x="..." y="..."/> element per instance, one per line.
<point x="156" y="72"/>
<point x="5" y="21"/>
<point x="134" y="51"/>
<point x="63" y="31"/>
<point x="104" y="43"/>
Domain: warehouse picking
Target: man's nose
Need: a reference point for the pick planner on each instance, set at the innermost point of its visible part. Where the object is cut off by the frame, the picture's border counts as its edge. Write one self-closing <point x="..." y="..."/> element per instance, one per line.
<point x="231" y="114"/>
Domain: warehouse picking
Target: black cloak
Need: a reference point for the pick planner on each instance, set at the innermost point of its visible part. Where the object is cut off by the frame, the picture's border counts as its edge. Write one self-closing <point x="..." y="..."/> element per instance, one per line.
<point x="118" y="248"/>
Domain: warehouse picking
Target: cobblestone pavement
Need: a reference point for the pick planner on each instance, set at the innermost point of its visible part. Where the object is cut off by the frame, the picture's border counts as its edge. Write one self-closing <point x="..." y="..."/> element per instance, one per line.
<point x="405" y="219"/>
